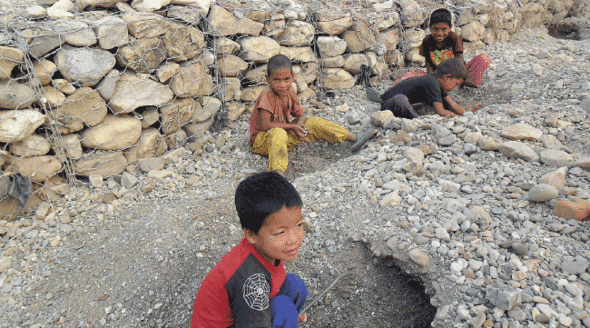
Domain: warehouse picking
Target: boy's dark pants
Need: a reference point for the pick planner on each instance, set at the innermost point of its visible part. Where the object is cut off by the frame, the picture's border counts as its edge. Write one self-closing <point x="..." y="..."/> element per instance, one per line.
<point x="400" y="106"/>
<point x="289" y="301"/>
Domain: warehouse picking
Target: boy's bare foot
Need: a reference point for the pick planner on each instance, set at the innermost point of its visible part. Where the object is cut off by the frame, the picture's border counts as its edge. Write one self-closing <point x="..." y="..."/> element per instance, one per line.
<point x="362" y="138"/>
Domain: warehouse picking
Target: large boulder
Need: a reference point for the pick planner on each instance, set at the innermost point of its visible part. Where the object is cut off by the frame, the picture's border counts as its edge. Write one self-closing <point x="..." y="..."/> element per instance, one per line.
<point x="38" y="168"/>
<point x="201" y="6"/>
<point x="146" y="25"/>
<point x="114" y="133"/>
<point x="554" y="157"/>
<point x="44" y="70"/>
<point x="149" y="5"/>
<point x="76" y="33"/>
<point x="473" y="31"/>
<point x="192" y="80"/>
<point x="97" y="63"/>
<point x="221" y="21"/>
<point x="335" y="27"/>
<point x="84" y="107"/>
<point x="359" y="38"/>
<point x="150" y="144"/>
<point x="142" y="55"/>
<point x="176" y="114"/>
<point x="111" y="32"/>
<point x="9" y="59"/>
<point x="299" y="54"/>
<point x="331" y="46"/>
<point x="132" y="92"/>
<point x="67" y="146"/>
<point x="106" y="164"/>
<point x="33" y="145"/>
<point x="336" y="78"/>
<point x="183" y="43"/>
<point x="225" y="46"/>
<point x="15" y="96"/>
<point x="97" y="3"/>
<point x="231" y="65"/>
<point x="297" y="33"/>
<point x="258" y="49"/>
<point x="16" y="125"/>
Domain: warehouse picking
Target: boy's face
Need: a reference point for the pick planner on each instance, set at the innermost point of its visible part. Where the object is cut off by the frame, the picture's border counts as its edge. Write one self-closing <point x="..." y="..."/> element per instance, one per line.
<point x="280" y="236"/>
<point x="280" y="81"/>
<point x="448" y="83"/>
<point x="440" y="31"/>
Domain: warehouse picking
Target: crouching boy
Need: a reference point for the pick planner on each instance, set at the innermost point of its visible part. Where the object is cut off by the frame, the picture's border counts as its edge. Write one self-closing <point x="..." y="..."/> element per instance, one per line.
<point x="249" y="286"/>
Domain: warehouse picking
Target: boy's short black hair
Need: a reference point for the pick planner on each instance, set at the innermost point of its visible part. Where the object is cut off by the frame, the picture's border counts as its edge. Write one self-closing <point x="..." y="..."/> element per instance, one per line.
<point x="278" y="62"/>
<point x="261" y="195"/>
<point x="441" y="16"/>
<point x="454" y="66"/>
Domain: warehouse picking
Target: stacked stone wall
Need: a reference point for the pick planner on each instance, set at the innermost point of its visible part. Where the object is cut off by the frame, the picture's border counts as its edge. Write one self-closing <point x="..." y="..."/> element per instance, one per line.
<point x="89" y="87"/>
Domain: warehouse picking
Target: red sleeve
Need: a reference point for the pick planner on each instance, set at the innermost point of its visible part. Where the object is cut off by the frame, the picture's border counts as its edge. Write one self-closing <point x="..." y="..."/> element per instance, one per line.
<point x="211" y="308"/>
<point x="297" y="108"/>
<point x="266" y="102"/>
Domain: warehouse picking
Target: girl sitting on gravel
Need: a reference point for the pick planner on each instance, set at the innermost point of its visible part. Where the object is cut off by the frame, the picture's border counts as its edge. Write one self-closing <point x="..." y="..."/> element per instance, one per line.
<point x="442" y="44"/>
<point x="431" y="89"/>
<point x="278" y="121"/>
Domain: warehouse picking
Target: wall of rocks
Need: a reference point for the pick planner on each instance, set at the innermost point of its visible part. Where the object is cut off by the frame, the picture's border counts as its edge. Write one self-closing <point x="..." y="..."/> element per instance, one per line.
<point x="88" y="87"/>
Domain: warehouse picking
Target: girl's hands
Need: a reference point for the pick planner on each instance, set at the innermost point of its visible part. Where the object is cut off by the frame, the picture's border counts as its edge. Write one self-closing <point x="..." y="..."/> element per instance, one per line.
<point x="301" y="130"/>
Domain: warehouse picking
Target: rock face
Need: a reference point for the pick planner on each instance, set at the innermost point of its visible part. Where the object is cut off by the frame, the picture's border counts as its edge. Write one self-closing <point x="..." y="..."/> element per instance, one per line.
<point x="38" y="168"/>
<point x="192" y="81"/>
<point x="336" y="78"/>
<point x="15" y="95"/>
<point x="9" y="59"/>
<point x="114" y="133"/>
<point x="33" y="145"/>
<point x="111" y="32"/>
<point x="132" y="92"/>
<point x="83" y="107"/>
<point x="97" y="63"/>
<point x="106" y="164"/>
<point x="142" y="55"/>
<point x="258" y="49"/>
<point x="150" y="144"/>
<point x="18" y="125"/>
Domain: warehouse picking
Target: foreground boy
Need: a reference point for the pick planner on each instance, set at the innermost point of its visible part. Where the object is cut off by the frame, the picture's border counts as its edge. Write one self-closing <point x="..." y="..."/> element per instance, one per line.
<point x="431" y="89"/>
<point x="278" y="122"/>
<point x="249" y="286"/>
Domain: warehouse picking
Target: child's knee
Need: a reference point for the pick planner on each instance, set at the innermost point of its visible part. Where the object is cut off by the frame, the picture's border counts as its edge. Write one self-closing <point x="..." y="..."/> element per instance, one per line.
<point x="278" y="135"/>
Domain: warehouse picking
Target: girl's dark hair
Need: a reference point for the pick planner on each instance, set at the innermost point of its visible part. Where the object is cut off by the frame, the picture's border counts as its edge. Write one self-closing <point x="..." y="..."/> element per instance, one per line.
<point x="441" y="16"/>
<point x="278" y="62"/>
<point x="454" y="66"/>
<point x="261" y="195"/>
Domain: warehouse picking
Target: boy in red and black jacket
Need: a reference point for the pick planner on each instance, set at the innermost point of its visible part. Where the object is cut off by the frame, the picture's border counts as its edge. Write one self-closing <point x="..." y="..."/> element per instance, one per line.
<point x="249" y="287"/>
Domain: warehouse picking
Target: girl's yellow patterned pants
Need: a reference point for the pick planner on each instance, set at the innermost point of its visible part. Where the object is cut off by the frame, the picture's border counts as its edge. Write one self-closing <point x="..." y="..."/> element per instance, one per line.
<point x="276" y="142"/>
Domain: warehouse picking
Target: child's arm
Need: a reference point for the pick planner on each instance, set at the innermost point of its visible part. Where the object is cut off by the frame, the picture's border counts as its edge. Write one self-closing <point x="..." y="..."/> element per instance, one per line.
<point x="440" y="110"/>
<point x="265" y="123"/>
<point x="457" y="108"/>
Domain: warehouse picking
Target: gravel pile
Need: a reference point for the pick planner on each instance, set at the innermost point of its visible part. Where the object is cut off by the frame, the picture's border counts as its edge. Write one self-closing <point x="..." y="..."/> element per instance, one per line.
<point x="450" y="206"/>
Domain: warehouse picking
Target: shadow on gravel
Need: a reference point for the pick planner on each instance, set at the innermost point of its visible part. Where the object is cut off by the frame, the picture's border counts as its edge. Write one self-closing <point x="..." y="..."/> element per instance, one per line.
<point x="568" y="30"/>
<point x="377" y="294"/>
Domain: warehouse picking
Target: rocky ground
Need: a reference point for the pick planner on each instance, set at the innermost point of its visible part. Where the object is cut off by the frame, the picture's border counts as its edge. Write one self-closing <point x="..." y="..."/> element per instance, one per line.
<point x="437" y="213"/>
